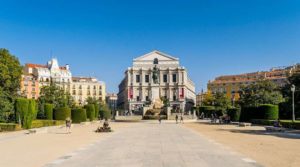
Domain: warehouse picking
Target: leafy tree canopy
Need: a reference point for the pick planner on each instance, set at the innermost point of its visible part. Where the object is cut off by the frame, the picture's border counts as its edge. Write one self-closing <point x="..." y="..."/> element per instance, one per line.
<point x="261" y="92"/>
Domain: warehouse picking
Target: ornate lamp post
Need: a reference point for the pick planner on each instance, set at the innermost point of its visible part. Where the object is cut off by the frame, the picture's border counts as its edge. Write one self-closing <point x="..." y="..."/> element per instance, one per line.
<point x="293" y="89"/>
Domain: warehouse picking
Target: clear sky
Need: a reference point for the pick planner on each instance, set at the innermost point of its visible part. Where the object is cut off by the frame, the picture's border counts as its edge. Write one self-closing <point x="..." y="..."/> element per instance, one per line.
<point x="100" y="38"/>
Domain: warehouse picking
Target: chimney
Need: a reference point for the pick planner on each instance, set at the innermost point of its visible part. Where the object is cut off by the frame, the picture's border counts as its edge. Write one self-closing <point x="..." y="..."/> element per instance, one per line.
<point x="67" y="67"/>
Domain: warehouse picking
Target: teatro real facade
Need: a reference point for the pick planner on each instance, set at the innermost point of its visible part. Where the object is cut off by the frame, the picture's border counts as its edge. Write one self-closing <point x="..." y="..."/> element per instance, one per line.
<point x="152" y="76"/>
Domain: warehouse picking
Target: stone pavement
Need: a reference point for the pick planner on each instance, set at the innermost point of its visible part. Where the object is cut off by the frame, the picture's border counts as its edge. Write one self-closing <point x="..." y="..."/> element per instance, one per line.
<point x="154" y="145"/>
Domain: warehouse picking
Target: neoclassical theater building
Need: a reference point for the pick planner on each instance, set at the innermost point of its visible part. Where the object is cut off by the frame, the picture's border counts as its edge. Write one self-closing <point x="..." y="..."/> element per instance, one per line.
<point x="153" y="76"/>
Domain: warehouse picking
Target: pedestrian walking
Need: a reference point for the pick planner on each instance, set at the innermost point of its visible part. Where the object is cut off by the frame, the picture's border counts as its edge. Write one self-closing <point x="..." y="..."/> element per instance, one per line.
<point x="68" y="125"/>
<point x="176" y="117"/>
<point x="159" y="119"/>
<point x="181" y="119"/>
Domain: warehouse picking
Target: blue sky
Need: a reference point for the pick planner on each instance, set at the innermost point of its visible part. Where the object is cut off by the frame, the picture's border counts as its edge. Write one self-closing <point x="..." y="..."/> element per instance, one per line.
<point x="100" y="38"/>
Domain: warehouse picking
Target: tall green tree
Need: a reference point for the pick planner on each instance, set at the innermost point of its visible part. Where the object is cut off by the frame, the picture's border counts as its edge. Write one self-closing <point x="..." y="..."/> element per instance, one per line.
<point x="10" y="76"/>
<point x="10" y="73"/>
<point x="261" y="92"/>
<point x="286" y="107"/>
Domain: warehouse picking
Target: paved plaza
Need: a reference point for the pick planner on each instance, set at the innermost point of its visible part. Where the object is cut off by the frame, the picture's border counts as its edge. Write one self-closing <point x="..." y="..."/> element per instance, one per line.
<point x="152" y="144"/>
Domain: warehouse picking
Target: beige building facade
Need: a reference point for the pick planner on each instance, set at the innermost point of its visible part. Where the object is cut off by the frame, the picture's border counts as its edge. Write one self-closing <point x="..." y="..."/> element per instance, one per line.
<point x="154" y="76"/>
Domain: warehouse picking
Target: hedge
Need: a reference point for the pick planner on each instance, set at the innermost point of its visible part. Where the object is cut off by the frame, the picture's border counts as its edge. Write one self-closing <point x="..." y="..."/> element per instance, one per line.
<point x="49" y="111"/>
<point x="26" y="110"/>
<point x="9" y="127"/>
<point x="207" y="110"/>
<point x="90" y="111"/>
<point x="264" y="111"/>
<point x="44" y="123"/>
<point x="62" y="113"/>
<point x="234" y="113"/>
<point x="21" y="107"/>
<point x="284" y="123"/>
<point x="105" y="112"/>
<point x="153" y="117"/>
<point x="78" y="115"/>
<point x="97" y="108"/>
<point x="269" y="111"/>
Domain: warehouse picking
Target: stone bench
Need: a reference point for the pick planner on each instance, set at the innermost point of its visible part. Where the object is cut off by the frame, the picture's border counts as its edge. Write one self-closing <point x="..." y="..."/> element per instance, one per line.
<point x="244" y="124"/>
<point x="274" y="129"/>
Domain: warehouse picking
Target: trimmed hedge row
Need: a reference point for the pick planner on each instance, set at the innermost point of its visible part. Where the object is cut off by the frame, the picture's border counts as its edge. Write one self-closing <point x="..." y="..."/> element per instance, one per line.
<point x="49" y="111"/>
<point x="234" y="113"/>
<point x="62" y="113"/>
<point x="44" y="123"/>
<point x="154" y="117"/>
<point x="79" y="115"/>
<point x="90" y="111"/>
<point x="97" y="109"/>
<point x="265" y="111"/>
<point x="9" y="127"/>
<point x="284" y="123"/>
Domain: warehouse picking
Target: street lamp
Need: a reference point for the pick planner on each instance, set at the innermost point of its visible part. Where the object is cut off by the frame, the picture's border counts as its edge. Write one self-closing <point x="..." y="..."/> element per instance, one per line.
<point x="293" y="89"/>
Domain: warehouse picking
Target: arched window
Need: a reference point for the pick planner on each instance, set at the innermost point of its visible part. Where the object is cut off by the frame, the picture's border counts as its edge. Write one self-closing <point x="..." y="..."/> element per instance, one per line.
<point x="155" y="61"/>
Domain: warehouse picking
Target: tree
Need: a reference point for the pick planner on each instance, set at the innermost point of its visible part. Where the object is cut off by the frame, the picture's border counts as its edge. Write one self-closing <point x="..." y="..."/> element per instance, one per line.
<point x="261" y="92"/>
<point x="10" y="73"/>
<point x="6" y="106"/>
<point x="221" y="101"/>
<point x="208" y="99"/>
<point x="55" y="95"/>
<point x="294" y="79"/>
<point x="10" y="76"/>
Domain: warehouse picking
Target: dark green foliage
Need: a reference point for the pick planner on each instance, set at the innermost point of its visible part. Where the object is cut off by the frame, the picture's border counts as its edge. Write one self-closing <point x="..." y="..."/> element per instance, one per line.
<point x="264" y="111"/>
<point x="62" y="113"/>
<point x="44" y="123"/>
<point x="269" y="111"/>
<point x="284" y="123"/>
<point x="207" y="110"/>
<point x="105" y="112"/>
<point x="30" y="115"/>
<point x="6" y="106"/>
<point x="55" y="95"/>
<point x="154" y="117"/>
<point x="285" y="111"/>
<point x="90" y="111"/>
<point x="97" y="109"/>
<point x="21" y="108"/>
<point x="48" y="111"/>
<point x="234" y="113"/>
<point x="9" y="127"/>
<point x="261" y="92"/>
<point x="247" y="113"/>
<point x="78" y="115"/>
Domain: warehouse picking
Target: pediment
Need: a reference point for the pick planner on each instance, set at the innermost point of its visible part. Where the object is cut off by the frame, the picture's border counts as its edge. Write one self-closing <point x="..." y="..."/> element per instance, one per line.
<point x="156" y="54"/>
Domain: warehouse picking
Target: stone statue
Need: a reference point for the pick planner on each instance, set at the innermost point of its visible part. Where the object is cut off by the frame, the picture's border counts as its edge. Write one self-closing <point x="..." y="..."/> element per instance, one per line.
<point x="155" y="75"/>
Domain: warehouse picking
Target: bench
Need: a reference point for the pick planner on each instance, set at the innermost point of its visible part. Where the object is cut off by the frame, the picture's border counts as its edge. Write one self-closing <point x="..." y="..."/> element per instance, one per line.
<point x="274" y="129"/>
<point x="244" y="124"/>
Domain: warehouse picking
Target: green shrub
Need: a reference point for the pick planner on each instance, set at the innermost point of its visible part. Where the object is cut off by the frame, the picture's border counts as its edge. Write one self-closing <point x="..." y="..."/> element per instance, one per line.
<point x="247" y="113"/>
<point x="90" y="111"/>
<point x="234" y="114"/>
<point x="97" y="109"/>
<point x="21" y="107"/>
<point x="31" y="114"/>
<point x="105" y="112"/>
<point x="62" y="113"/>
<point x="49" y="111"/>
<point x="207" y="110"/>
<point x="284" y="123"/>
<point x="78" y="115"/>
<point x="9" y="127"/>
<point x="154" y="117"/>
<point x="44" y="123"/>
<point x="268" y="111"/>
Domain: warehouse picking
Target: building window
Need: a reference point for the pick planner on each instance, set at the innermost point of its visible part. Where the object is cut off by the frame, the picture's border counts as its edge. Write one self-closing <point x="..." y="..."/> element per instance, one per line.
<point x="147" y="98"/>
<point x="137" y="98"/>
<point x="174" y="78"/>
<point x="165" y="78"/>
<point x="155" y="61"/>
<point x="137" y="78"/>
<point x="174" y="98"/>
<point x="147" y="78"/>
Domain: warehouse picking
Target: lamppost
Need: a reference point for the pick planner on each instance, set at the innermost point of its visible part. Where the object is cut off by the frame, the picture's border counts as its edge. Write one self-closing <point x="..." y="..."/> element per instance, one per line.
<point x="293" y="89"/>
